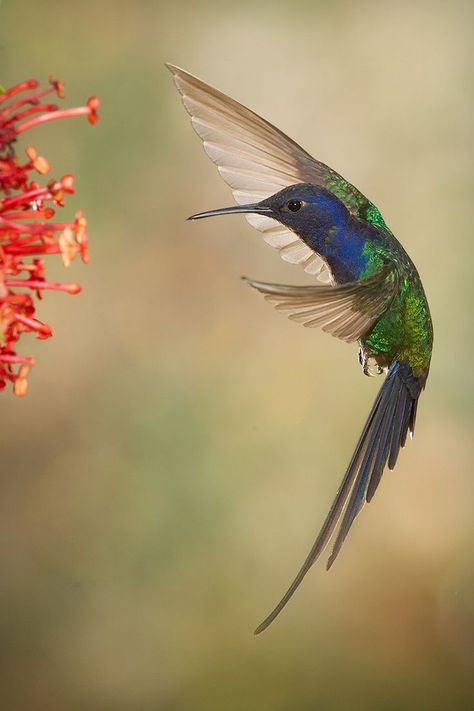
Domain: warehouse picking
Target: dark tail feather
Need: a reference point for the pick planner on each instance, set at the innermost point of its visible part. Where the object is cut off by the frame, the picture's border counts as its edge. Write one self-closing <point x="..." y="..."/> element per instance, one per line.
<point x="392" y="416"/>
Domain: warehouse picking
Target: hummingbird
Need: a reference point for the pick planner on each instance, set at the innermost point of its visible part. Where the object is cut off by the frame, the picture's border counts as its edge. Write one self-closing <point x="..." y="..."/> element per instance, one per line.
<point x="367" y="289"/>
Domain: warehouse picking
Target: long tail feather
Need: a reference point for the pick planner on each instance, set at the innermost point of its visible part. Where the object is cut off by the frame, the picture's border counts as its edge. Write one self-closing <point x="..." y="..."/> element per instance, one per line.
<point x="391" y="417"/>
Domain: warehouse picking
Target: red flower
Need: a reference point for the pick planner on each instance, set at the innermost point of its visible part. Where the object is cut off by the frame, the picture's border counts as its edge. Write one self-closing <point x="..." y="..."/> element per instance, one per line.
<point x="28" y="226"/>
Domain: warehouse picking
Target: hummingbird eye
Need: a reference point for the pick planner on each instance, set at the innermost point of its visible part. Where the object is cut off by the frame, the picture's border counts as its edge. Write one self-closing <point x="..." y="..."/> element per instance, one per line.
<point x="294" y="205"/>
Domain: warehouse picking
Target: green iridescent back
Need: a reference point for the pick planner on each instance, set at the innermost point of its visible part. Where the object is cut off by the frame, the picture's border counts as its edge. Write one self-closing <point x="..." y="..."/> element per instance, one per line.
<point x="405" y="331"/>
<point x="353" y="199"/>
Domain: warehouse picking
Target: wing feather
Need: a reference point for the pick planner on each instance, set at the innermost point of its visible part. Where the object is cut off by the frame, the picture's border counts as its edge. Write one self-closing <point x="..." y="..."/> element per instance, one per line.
<point x="257" y="160"/>
<point x="346" y="311"/>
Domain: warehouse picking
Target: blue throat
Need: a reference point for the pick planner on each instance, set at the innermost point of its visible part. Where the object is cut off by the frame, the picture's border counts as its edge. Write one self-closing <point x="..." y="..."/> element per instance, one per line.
<point x="342" y="246"/>
<point x="325" y="224"/>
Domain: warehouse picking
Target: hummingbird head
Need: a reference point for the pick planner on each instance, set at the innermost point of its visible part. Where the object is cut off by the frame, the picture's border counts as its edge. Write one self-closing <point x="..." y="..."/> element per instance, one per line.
<point x="302" y="207"/>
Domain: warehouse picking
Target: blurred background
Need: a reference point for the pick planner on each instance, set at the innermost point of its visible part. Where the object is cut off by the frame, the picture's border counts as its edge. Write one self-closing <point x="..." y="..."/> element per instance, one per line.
<point x="181" y="442"/>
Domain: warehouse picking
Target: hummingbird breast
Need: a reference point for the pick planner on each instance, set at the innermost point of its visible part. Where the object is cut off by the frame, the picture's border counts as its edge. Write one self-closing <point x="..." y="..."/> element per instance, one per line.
<point x="356" y="251"/>
<point x="404" y="332"/>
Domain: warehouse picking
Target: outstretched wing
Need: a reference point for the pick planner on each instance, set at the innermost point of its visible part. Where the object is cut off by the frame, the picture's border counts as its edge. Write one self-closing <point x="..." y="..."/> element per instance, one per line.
<point x="347" y="311"/>
<point x="258" y="160"/>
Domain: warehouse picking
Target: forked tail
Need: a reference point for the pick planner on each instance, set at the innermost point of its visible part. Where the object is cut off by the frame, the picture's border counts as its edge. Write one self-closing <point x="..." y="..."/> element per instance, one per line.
<point x="391" y="418"/>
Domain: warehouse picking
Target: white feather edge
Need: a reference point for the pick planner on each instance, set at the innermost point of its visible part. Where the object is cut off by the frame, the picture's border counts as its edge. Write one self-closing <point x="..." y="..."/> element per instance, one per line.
<point x="252" y="172"/>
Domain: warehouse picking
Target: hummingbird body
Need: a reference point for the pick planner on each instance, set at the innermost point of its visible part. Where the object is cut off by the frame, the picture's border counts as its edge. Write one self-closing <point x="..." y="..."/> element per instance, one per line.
<point x="355" y="249"/>
<point x="373" y="293"/>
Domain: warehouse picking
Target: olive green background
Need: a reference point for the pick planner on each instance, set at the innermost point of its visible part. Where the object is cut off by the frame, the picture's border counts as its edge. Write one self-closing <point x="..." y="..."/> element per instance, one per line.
<point x="181" y="442"/>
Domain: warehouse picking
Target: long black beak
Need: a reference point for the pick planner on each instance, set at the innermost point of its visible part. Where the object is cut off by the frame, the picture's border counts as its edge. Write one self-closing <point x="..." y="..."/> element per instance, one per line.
<point x="237" y="209"/>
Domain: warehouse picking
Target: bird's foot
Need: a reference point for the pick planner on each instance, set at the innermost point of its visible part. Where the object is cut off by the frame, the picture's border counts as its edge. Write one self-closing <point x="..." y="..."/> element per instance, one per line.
<point x="369" y="364"/>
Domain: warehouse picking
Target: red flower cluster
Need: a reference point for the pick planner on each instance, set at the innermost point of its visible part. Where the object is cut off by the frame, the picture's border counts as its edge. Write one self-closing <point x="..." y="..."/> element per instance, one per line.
<point x="28" y="229"/>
